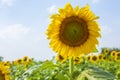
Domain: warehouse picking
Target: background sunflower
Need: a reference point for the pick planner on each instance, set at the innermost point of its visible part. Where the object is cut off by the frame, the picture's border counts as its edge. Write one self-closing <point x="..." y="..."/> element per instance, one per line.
<point x="4" y="71"/>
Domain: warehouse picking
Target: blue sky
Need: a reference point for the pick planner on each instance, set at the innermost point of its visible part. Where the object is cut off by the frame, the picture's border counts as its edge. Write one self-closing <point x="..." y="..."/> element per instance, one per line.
<point x="23" y="24"/>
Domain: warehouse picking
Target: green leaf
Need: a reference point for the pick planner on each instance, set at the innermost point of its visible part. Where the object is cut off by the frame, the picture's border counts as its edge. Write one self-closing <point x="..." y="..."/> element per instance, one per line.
<point x="30" y="70"/>
<point x="95" y="50"/>
<point x="61" y="77"/>
<point x="92" y="73"/>
<point x="75" y="74"/>
<point x="48" y="64"/>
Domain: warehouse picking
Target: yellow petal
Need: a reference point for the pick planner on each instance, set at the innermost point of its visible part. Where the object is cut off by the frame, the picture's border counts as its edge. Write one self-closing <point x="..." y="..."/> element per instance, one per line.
<point x="56" y="16"/>
<point x="68" y="7"/>
<point x="63" y="51"/>
<point x="95" y="34"/>
<point x="83" y="10"/>
<point x="93" y="26"/>
<point x="76" y="10"/>
<point x="68" y="10"/>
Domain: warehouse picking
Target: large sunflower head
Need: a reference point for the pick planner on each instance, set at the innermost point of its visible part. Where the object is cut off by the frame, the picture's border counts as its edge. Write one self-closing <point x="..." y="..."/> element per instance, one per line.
<point x="4" y="71"/>
<point x="73" y="31"/>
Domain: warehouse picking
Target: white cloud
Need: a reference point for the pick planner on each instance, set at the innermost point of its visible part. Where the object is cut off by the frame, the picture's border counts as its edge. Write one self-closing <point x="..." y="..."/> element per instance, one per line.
<point x="95" y="1"/>
<point x="7" y="2"/>
<point x="13" y="31"/>
<point x="52" y="9"/>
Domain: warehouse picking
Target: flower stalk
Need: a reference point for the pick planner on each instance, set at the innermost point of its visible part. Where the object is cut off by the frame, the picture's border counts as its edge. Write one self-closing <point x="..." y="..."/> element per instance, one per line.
<point x="71" y="68"/>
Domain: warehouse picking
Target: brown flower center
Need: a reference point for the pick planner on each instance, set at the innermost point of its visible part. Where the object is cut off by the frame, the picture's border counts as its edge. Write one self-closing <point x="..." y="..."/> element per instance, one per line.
<point x="118" y="54"/>
<point x="94" y="58"/>
<point x="60" y="57"/>
<point x="100" y="56"/>
<point x="73" y="31"/>
<point x="104" y="58"/>
<point x="88" y="57"/>
<point x="77" y="59"/>
<point x="114" y="54"/>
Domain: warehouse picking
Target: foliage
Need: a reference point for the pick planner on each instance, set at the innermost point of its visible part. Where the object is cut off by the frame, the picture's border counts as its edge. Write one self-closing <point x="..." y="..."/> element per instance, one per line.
<point x="1" y="58"/>
<point x="29" y="69"/>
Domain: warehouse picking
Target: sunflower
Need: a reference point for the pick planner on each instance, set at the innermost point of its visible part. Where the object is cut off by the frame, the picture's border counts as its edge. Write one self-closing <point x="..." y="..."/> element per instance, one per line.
<point x="19" y="61"/>
<point x="88" y="58"/>
<point x="118" y="54"/>
<point x="7" y="63"/>
<point x="94" y="58"/>
<point x="73" y="31"/>
<point x="104" y="58"/>
<point x="100" y="56"/>
<point x="113" y="53"/>
<point x="78" y="60"/>
<point x="117" y="57"/>
<point x="60" y="58"/>
<point x="30" y="60"/>
<point x="4" y="71"/>
<point x="25" y="58"/>
<point x="13" y="62"/>
<point x="105" y="51"/>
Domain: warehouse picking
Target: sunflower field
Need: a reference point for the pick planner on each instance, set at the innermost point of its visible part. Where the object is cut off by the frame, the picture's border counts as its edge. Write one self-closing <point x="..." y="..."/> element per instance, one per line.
<point x="102" y="66"/>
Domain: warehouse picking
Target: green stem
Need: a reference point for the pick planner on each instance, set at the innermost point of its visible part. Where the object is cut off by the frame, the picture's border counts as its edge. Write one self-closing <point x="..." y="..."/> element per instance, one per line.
<point x="71" y="68"/>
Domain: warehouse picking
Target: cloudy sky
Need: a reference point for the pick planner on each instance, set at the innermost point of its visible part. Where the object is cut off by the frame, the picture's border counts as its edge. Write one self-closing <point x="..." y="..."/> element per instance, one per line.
<point x="23" y="24"/>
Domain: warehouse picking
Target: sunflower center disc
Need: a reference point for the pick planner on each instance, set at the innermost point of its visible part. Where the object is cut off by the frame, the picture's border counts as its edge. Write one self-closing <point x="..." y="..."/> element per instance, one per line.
<point x="100" y="57"/>
<point x="94" y="58"/>
<point x="74" y="31"/>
